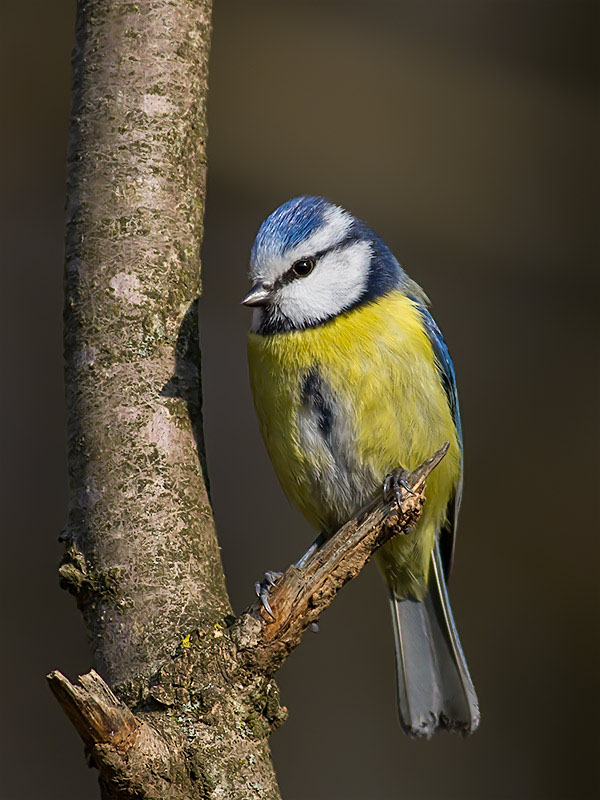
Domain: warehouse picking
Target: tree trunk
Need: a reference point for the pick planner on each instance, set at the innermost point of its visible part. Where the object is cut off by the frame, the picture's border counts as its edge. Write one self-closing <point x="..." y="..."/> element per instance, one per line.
<point x="188" y="698"/>
<point x="142" y="555"/>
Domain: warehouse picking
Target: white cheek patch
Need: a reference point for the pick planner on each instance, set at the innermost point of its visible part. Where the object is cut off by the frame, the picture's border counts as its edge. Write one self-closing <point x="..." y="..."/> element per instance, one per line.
<point x="338" y="280"/>
<point x="335" y="226"/>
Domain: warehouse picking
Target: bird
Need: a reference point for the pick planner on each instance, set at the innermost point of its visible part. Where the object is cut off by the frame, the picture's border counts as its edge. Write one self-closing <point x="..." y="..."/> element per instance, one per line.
<point x="351" y="378"/>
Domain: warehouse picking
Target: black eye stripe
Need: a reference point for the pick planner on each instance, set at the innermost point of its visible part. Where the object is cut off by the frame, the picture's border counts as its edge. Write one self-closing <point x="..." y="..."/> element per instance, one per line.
<point x="290" y="275"/>
<point x="303" y="267"/>
<point x="341" y="245"/>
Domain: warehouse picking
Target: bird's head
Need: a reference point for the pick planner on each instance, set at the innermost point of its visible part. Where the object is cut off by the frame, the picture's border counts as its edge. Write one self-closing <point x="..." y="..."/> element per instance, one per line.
<point x="311" y="261"/>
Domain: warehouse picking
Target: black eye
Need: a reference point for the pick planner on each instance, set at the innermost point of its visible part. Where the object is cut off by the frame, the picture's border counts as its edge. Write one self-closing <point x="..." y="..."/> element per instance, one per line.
<point x="303" y="267"/>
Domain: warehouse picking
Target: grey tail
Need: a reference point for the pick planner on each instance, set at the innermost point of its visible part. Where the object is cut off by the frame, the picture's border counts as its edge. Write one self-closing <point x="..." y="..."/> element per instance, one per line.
<point x="435" y="690"/>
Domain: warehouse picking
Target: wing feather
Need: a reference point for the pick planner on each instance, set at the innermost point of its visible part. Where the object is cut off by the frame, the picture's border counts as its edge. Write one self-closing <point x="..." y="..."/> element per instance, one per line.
<point x="448" y="377"/>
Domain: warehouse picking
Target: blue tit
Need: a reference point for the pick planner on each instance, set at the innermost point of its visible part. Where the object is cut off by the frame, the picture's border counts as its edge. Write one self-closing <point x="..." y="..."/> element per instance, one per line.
<point x="351" y="378"/>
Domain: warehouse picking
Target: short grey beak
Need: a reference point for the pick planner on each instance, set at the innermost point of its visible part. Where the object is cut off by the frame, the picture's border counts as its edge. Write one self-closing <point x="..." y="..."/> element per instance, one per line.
<point x="259" y="295"/>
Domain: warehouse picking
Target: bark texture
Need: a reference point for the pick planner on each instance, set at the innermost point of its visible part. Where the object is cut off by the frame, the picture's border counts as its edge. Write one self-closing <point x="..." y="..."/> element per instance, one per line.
<point x="201" y="722"/>
<point x="141" y="552"/>
<point x="186" y="700"/>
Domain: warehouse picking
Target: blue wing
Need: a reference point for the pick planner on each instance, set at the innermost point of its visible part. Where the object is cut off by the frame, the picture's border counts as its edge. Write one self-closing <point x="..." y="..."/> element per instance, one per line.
<point x="446" y="369"/>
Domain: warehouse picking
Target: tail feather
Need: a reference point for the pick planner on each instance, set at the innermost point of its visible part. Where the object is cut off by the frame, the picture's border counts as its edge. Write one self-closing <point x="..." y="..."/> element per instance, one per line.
<point x="435" y="690"/>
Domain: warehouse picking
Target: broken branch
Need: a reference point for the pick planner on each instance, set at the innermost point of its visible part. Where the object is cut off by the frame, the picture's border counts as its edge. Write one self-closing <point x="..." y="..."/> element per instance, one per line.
<point x="301" y="596"/>
<point x="96" y="712"/>
<point x="135" y="751"/>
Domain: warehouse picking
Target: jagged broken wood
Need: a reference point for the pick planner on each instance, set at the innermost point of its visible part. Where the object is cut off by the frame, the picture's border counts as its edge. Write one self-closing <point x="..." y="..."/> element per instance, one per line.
<point x="96" y="712"/>
<point x="121" y="744"/>
<point x="134" y="750"/>
<point x="301" y="596"/>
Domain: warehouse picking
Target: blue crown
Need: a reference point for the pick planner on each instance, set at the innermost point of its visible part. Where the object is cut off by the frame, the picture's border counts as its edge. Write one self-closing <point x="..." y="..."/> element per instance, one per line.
<point x="288" y="225"/>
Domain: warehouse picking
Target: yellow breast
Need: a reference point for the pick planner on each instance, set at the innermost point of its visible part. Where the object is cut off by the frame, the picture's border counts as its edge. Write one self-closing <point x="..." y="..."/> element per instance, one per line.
<point x="388" y="408"/>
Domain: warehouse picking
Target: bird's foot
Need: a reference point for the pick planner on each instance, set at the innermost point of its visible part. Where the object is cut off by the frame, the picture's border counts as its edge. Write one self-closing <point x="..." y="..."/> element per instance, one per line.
<point x="302" y="561"/>
<point x="264" y="587"/>
<point x="395" y="484"/>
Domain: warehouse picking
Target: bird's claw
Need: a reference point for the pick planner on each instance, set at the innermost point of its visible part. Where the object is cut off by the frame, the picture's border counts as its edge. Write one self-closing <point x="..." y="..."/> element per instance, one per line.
<point x="395" y="483"/>
<point x="264" y="587"/>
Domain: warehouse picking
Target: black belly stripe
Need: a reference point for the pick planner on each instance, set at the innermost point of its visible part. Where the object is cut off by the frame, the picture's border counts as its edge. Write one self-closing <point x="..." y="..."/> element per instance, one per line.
<point x="313" y="397"/>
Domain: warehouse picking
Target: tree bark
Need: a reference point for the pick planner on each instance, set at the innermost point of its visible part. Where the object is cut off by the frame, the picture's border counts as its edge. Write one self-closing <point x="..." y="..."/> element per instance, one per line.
<point x="141" y="551"/>
<point x="187" y="699"/>
<point x="223" y="677"/>
<point x="143" y="556"/>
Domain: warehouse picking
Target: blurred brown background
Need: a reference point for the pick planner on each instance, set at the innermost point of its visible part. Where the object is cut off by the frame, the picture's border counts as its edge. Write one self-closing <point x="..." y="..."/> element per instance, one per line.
<point x="464" y="132"/>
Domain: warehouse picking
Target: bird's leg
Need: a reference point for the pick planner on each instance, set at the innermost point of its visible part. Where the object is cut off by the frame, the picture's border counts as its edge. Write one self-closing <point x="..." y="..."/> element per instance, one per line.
<point x="264" y="587"/>
<point x="301" y="563"/>
<point x="395" y="483"/>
